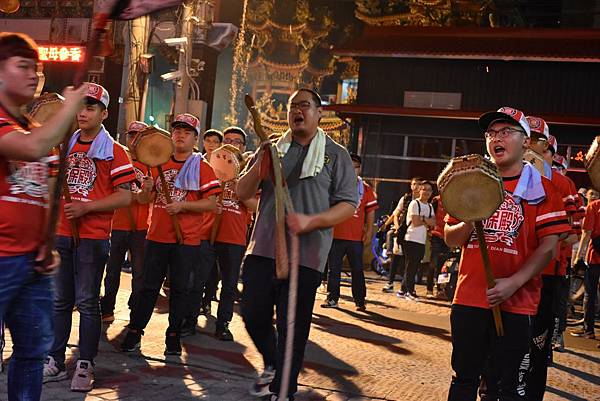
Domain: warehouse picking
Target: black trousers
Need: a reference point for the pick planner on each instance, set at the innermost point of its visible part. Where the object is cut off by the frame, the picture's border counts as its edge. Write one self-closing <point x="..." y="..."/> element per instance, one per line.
<point x="413" y="252"/>
<point x="264" y="294"/>
<point x="120" y="243"/>
<point x="398" y="261"/>
<point x="474" y="343"/>
<point x="179" y="259"/>
<point x="353" y="250"/>
<point x="201" y="272"/>
<point x="541" y="345"/>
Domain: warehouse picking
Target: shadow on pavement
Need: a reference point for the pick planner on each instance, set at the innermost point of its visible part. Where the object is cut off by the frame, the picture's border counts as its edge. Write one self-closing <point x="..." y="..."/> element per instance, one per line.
<point x="582" y="375"/>
<point x="582" y="355"/>
<point x="349" y="330"/>
<point x="564" y="394"/>
<point x="382" y="320"/>
<point x="329" y="367"/>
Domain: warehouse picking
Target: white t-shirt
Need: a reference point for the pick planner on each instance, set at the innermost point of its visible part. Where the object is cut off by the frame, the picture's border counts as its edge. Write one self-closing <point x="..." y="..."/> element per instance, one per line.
<point x="417" y="234"/>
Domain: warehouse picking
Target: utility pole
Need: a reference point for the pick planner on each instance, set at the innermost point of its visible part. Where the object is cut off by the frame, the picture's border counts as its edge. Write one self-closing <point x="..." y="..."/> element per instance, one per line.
<point x="182" y="88"/>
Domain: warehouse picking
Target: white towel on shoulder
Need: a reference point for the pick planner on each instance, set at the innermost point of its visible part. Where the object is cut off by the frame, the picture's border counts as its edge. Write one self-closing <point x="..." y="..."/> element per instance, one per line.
<point x="315" y="158"/>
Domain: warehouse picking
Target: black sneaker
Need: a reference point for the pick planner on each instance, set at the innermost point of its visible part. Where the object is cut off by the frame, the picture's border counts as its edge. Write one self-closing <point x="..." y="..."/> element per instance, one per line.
<point x="173" y="344"/>
<point x="260" y="388"/>
<point x="132" y="341"/>
<point x="330" y="304"/>
<point x="205" y="310"/>
<point x="222" y="333"/>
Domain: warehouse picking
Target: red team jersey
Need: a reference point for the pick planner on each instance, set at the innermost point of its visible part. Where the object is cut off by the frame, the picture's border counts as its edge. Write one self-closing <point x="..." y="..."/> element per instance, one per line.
<point x="161" y="228"/>
<point x="122" y="220"/>
<point x="91" y="180"/>
<point x="352" y="228"/>
<point x="512" y="235"/>
<point x="566" y="190"/>
<point x="591" y="222"/>
<point x="23" y="196"/>
<point x="234" y="219"/>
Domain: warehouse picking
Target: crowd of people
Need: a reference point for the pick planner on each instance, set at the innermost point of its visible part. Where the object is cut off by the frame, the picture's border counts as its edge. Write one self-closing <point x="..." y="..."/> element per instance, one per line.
<point x="185" y="227"/>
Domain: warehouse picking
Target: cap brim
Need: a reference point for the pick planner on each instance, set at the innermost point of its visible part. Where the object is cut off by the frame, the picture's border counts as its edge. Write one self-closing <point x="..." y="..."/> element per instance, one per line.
<point x="176" y="124"/>
<point x="486" y="119"/>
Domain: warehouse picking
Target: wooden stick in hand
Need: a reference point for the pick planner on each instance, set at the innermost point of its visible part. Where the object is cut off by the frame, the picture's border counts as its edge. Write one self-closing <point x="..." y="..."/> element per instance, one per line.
<point x="489" y="275"/>
<point x="167" y="195"/>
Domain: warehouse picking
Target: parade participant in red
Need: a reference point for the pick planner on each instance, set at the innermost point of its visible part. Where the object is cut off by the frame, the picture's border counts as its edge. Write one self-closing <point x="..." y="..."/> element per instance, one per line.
<point x="521" y="238"/>
<point x="227" y="249"/>
<point x="211" y="140"/>
<point x="129" y="227"/>
<point x="589" y="245"/>
<point x="193" y="186"/>
<point x="553" y="274"/>
<point x="99" y="176"/>
<point x="26" y="167"/>
<point x="348" y="239"/>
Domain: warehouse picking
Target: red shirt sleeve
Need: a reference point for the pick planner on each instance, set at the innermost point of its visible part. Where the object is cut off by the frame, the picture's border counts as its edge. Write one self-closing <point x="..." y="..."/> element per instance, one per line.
<point x="589" y="218"/>
<point x="551" y="216"/>
<point x="7" y="126"/>
<point x="121" y="169"/>
<point x="209" y="184"/>
<point x="370" y="199"/>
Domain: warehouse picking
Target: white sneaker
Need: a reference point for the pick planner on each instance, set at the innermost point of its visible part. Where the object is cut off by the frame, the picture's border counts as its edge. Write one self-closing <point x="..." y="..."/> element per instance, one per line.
<point x="52" y="373"/>
<point x="260" y="388"/>
<point x="411" y="297"/>
<point x="275" y="398"/>
<point x="83" y="378"/>
<point x="429" y="295"/>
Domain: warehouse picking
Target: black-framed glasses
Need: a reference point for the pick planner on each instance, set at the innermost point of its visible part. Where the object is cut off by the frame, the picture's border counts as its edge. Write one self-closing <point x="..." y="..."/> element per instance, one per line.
<point x="502" y="133"/>
<point x="303" y="105"/>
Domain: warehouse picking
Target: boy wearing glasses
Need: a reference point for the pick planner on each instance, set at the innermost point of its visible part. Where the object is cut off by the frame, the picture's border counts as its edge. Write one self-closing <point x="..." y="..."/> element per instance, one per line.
<point x="228" y="249"/>
<point x="129" y="227"/>
<point x="26" y="171"/>
<point x="522" y="236"/>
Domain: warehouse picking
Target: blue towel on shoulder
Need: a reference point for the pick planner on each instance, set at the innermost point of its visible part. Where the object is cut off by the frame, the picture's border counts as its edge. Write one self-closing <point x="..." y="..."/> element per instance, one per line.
<point x="188" y="177"/>
<point x="102" y="147"/>
<point x="529" y="188"/>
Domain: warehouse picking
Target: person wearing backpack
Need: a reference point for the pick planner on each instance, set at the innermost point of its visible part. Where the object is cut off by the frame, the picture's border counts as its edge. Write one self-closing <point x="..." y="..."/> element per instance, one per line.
<point x="399" y="219"/>
<point x="420" y="218"/>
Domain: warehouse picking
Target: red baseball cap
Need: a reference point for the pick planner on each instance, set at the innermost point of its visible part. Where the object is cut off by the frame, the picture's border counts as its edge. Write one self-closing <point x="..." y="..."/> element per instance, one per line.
<point x="539" y="126"/>
<point x="98" y="93"/>
<point x="136" y="126"/>
<point x="560" y="161"/>
<point x="187" y="120"/>
<point x="553" y="144"/>
<point x="508" y="114"/>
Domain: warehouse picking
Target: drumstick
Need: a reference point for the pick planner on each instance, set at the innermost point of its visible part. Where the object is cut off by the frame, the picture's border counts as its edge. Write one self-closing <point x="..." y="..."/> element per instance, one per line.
<point x="489" y="275"/>
<point x="73" y="222"/>
<point x="167" y="195"/>
<point x="217" y="223"/>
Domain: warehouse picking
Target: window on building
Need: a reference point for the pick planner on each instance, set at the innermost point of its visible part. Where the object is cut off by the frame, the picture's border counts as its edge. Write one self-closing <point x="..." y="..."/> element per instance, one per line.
<point x="433" y="100"/>
<point x="430" y="148"/>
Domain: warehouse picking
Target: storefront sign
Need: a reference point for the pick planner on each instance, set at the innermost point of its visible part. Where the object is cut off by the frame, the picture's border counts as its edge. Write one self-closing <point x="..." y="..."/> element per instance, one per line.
<point x="61" y="54"/>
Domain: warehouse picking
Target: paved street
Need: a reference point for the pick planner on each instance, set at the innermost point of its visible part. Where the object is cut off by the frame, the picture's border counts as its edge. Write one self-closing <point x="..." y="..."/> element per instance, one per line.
<point x="397" y="350"/>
